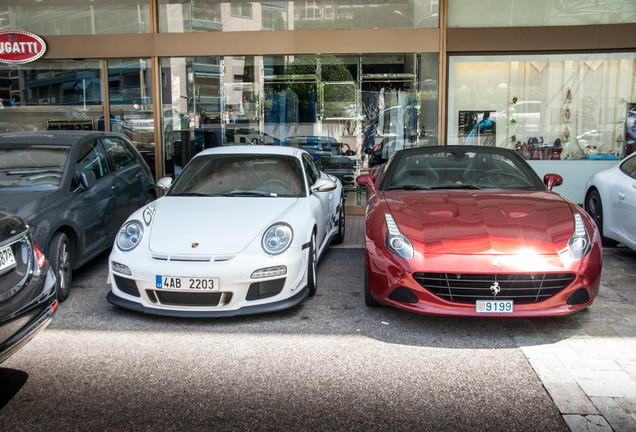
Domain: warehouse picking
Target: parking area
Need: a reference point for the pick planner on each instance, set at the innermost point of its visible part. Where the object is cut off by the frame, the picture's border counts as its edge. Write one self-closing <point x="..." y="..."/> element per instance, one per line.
<point x="330" y="364"/>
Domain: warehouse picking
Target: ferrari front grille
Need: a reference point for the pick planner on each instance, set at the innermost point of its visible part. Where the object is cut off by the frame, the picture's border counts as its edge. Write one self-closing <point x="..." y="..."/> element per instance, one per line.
<point x="523" y="288"/>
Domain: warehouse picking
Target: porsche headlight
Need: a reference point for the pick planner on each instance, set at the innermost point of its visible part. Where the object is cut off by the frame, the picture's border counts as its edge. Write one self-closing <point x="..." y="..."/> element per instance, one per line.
<point x="579" y="243"/>
<point x="397" y="242"/>
<point x="129" y="235"/>
<point x="277" y="239"/>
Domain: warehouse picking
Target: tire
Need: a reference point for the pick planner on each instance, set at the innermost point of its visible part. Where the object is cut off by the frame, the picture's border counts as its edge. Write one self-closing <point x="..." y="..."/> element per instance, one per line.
<point x="61" y="260"/>
<point x="340" y="236"/>
<point x="594" y="207"/>
<point x="368" y="298"/>
<point x="311" y="266"/>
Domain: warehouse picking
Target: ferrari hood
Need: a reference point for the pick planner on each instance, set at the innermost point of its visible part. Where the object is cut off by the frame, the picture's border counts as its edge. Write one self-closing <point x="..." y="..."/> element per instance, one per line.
<point x="211" y="225"/>
<point x="483" y="222"/>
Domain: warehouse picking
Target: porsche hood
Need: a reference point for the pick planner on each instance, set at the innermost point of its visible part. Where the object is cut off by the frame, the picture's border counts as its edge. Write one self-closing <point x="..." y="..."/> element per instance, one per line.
<point x="484" y="222"/>
<point x="210" y="226"/>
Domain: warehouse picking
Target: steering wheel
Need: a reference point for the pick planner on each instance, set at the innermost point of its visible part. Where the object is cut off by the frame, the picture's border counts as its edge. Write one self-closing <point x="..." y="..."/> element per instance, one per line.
<point x="495" y="178"/>
<point x="276" y="184"/>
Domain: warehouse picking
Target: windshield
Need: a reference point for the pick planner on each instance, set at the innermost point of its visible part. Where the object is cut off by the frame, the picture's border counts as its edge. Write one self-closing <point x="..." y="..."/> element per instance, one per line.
<point x="459" y="168"/>
<point x="241" y="175"/>
<point x="33" y="165"/>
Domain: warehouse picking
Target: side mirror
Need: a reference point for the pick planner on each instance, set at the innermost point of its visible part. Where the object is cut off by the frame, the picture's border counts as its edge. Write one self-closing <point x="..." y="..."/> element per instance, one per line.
<point x="323" y="185"/>
<point x="366" y="180"/>
<point x="164" y="183"/>
<point x="87" y="179"/>
<point x="552" y="180"/>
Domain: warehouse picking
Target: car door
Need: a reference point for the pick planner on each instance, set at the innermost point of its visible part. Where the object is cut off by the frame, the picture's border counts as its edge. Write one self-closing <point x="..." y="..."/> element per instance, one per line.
<point x="319" y="202"/>
<point x="128" y="177"/>
<point x="92" y="210"/>
<point x="626" y="198"/>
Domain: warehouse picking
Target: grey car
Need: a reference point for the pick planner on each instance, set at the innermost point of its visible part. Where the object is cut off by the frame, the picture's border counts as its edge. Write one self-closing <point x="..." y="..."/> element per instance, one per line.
<point x="75" y="188"/>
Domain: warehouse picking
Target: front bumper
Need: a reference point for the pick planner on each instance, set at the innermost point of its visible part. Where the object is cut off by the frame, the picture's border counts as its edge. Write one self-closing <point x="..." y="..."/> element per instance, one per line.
<point x="238" y="292"/>
<point x="394" y="281"/>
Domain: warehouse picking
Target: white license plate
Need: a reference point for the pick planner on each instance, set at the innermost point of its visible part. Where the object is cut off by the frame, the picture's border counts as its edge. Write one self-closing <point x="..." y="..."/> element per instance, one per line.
<point x="7" y="260"/>
<point x="494" y="306"/>
<point x="186" y="283"/>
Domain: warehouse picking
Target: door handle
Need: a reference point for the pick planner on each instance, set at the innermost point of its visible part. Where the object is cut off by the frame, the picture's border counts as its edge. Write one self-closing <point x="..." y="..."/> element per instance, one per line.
<point x="621" y="195"/>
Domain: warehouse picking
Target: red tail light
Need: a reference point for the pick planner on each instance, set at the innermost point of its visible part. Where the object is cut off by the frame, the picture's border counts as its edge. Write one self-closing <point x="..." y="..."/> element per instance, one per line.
<point x="39" y="254"/>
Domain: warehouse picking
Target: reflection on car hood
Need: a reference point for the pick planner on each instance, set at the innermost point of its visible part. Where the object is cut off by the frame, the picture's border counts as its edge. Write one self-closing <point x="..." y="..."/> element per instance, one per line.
<point x="218" y="225"/>
<point x="483" y="222"/>
<point x="25" y="202"/>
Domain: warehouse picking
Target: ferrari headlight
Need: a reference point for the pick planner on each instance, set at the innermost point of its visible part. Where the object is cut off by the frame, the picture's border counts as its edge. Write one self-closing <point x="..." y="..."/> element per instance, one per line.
<point x="579" y="243"/>
<point x="129" y="235"/>
<point x="397" y="242"/>
<point x="277" y="239"/>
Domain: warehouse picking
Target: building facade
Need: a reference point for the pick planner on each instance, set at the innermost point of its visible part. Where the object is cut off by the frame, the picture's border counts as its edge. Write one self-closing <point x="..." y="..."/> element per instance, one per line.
<point x="554" y="80"/>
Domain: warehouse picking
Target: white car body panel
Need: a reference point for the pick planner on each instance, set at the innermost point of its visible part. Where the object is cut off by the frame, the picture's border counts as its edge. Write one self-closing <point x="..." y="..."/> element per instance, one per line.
<point x="618" y="196"/>
<point x="218" y="237"/>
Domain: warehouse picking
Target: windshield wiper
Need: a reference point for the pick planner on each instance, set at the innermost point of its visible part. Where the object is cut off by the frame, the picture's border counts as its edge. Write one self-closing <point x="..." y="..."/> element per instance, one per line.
<point x="191" y="194"/>
<point x="456" y="186"/>
<point x="248" y="193"/>
<point x="409" y="187"/>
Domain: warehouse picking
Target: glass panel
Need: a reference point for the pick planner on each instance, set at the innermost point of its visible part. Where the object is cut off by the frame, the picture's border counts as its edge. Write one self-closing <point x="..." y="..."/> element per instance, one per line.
<point x="131" y="109"/>
<point x="547" y="107"/>
<point x="524" y="13"/>
<point x="214" y="15"/>
<point x="51" y="94"/>
<point x="72" y="17"/>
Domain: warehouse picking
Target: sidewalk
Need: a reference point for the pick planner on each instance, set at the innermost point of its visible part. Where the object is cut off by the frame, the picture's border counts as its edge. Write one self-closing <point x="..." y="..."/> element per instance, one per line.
<point x="586" y="361"/>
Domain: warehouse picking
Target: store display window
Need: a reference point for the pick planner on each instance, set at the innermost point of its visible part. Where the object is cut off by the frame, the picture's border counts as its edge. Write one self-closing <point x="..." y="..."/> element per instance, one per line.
<point x="547" y="107"/>
<point x="51" y="94"/>
<point x="178" y="16"/>
<point x="64" y="17"/>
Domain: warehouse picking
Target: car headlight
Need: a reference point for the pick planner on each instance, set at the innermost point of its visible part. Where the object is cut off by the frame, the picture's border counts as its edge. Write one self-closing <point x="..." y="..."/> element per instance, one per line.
<point x="277" y="239"/>
<point x="397" y="242"/>
<point x="130" y="235"/>
<point x="579" y="243"/>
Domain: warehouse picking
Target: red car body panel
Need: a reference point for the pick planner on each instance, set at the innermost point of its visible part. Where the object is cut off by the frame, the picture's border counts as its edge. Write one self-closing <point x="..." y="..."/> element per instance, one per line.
<point x="478" y="232"/>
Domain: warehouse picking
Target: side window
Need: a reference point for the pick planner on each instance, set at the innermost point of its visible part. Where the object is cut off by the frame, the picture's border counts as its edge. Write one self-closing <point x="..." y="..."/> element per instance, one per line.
<point x="310" y="169"/>
<point x="119" y="155"/>
<point x="629" y="167"/>
<point x="90" y="158"/>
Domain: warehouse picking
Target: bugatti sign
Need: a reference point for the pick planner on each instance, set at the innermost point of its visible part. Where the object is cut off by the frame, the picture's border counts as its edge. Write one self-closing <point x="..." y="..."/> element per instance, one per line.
<point x="17" y="47"/>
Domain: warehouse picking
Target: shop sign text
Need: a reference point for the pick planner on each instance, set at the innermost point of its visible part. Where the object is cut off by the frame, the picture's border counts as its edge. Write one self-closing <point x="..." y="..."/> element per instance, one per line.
<point x="17" y="47"/>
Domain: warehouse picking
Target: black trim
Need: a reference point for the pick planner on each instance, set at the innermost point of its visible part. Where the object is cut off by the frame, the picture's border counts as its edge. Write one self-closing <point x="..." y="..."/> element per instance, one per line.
<point x="247" y="310"/>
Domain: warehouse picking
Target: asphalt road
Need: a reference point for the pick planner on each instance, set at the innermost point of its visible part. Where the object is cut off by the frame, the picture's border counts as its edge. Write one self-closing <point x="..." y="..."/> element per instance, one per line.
<point x="329" y="364"/>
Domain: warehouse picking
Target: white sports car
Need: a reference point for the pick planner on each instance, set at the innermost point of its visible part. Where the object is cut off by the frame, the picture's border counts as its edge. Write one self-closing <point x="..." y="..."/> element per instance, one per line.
<point x="610" y="198"/>
<point x="240" y="231"/>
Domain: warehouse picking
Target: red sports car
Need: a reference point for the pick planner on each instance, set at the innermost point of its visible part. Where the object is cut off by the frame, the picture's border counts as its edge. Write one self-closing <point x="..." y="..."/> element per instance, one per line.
<point x="463" y="230"/>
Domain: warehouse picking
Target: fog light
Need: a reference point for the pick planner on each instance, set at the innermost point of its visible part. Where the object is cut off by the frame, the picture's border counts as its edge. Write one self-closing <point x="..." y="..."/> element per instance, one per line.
<point x="120" y="268"/>
<point x="269" y="272"/>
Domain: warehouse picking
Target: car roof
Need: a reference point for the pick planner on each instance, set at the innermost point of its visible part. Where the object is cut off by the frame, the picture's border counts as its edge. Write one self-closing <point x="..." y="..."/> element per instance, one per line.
<point x="252" y="149"/>
<point x="51" y="137"/>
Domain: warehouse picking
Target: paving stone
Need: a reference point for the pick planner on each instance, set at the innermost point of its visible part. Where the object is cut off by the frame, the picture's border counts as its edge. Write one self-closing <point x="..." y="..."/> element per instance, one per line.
<point x="606" y="383"/>
<point x="591" y="423"/>
<point x="570" y="399"/>
<point x="616" y="416"/>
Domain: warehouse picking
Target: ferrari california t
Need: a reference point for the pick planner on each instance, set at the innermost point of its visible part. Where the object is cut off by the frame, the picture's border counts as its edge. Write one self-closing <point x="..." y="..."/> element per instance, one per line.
<point x="240" y="231"/>
<point x="463" y="230"/>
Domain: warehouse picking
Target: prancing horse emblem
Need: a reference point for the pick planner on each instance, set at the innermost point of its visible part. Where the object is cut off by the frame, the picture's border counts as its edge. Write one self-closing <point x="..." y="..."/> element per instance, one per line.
<point x="194" y="245"/>
<point x="495" y="289"/>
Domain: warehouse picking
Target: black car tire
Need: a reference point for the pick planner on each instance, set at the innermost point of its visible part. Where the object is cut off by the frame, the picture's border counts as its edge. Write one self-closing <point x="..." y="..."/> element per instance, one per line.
<point x="311" y="266"/>
<point x="368" y="298"/>
<point x="594" y="207"/>
<point x="61" y="261"/>
<point x="340" y="236"/>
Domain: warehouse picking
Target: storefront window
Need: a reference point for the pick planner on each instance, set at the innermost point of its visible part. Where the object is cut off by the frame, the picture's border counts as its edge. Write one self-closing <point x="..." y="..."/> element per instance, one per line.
<point x="211" y="15"/>
<point x="524" y="13"/>
<point x="51" y="94"/>
<point x="131" y="109"/>
<point x="547" y="107"/>
<point x="329" y="105"/>
<point x="64" y="17"/>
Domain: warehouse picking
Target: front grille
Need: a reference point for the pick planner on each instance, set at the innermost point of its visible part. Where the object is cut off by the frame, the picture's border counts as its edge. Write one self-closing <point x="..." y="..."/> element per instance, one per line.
<point x="522" y="288"/>
<point x="187" y="298"/>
